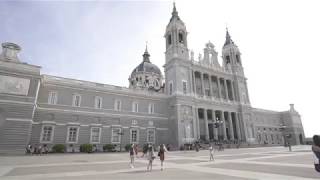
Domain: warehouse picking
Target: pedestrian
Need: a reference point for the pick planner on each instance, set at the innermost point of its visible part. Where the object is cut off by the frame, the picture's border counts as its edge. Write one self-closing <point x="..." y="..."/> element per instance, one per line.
<point x="28" y="149"/>
<point x="132" y="153"/>
<point x="39" y="149"/>
<point x="211" y="151"/>
<point x="162" y="149"/>
<point x="150" y="157"/>
<point x="136" y="149"/>
<point x="45" y="149"/>
<point x="35" y="149"/>
<point x="196" y="146"/>
<point x="289" y="146"/>
<point x="316" y="152"/>
<point x="168" y="147"/>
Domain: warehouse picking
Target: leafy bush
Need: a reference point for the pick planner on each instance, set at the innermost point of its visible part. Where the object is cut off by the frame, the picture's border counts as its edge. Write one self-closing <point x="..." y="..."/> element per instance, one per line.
<point x="87" y="148"/>
<point x="127" y="147"/>
<point x="59" y="148"/>
<point x="145" y="148"/>
<point x="109" y="147"/>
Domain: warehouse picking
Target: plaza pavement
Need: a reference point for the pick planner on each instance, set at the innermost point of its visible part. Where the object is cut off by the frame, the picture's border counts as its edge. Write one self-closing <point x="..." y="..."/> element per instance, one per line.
<point x="243" y="163"/>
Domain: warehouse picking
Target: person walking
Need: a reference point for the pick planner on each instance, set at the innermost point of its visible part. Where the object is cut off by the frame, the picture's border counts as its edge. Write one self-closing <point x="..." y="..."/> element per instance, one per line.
<point x="162" y="149"/>
<point x="135" y="148"/>
<point x="150" y="157"/>
<point x="39" y="150"/>
<point x="211" y="152"/>
<point x="28" y="149"/>
<point x="132" y="154"/>
<point x="316" y="152"/>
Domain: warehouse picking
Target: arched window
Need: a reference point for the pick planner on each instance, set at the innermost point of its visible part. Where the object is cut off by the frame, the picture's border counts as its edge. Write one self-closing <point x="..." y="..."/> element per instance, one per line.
<point x="181" y="37"/>
<point x="227" y="59"/>
<point x="238" y="59"/>
<point x="169" y="41"/>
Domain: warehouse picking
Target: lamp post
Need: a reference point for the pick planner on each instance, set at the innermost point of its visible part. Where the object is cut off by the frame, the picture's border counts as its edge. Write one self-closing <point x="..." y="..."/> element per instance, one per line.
<point x="217" y="124"/>
<point x="285" y="136"/>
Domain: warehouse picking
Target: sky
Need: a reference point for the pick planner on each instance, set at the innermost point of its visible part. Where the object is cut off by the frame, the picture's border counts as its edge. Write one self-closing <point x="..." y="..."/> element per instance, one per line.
<point x="103" y="41"/>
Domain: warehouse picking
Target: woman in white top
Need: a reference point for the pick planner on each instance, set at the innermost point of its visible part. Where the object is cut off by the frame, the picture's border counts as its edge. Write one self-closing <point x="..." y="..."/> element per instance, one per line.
<point x="150" y="157"/>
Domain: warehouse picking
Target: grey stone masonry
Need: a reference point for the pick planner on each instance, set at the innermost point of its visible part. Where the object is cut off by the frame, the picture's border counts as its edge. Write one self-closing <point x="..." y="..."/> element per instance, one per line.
<point x="199" y="100"/>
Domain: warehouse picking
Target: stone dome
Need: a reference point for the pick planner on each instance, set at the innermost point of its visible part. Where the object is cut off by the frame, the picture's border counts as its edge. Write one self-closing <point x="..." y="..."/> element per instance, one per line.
<point x="146" y="75"/>
<point x="146" y="66"/>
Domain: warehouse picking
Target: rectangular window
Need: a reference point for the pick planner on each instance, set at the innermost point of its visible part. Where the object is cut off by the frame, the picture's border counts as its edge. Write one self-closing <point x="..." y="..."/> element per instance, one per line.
<point x="151" y="108"/>
<point x="47" y="134"/>
<point x="117" y="105"/>
<point x="150" y="136"/>
<point x="76" y="100"/>
<point x="135" y="107"/>
<point x="184" y="87"/>
<point x="116" y="132"/>
<point x="72" y="135"/>
<point x="98" y="102"/>
<point x="170" y="88"/>
<point x="134" y="136"/>
<point x="95" y="134"/>
<point x="53" y="97"/>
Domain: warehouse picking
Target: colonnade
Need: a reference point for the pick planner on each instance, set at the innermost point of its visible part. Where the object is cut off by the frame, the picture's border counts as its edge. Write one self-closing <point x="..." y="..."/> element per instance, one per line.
<point x="229" y="127"/>
<point x="214" y="86"/>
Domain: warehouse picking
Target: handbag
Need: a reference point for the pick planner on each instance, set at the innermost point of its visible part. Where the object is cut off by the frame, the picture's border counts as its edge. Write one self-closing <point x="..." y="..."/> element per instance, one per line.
<point x="159" y="153"/>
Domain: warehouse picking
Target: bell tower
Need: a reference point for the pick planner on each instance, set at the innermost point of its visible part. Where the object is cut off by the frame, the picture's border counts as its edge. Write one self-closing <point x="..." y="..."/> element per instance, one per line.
<point x="176" y="38"/>
<point x="232" y="62"/>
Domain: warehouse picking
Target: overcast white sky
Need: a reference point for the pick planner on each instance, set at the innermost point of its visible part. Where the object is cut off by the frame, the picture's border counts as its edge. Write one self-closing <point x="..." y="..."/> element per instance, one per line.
<point x="103" y="41"/>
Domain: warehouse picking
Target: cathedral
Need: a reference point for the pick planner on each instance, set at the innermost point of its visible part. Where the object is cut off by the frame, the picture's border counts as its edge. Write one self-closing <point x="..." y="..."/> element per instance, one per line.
<point x="194" y="100"/>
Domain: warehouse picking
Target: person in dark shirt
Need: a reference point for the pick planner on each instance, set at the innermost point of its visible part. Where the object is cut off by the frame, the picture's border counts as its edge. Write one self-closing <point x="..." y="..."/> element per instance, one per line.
<point x="316" y="151"/>
<point x="132" y="154"/>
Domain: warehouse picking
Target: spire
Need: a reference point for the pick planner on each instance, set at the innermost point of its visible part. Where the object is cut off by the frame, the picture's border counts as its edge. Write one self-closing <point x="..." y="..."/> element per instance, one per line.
<point x="228" y="38"/>
<point x="174" y="12"/>
<point x="146" y="54"/>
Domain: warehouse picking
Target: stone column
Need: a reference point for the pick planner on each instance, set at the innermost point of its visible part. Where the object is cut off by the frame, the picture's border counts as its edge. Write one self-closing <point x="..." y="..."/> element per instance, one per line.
<point x="219" y="87"/>
<point x="230" y="126"/>
<point x="232" y="89"/>
<point x="224" y="131"/>
<point x="215" y="132"/>
<point x="197" y="121"/>
<point x="206" y="124"/>
<point x="180" y="140"/>
<point x="242" y="126"/>
<point x="194" y="121"/>
<point x="193" y="81"/>
<point x="202" y="85"/>
<point x="226" y="89"/>
<point x="210" y="86"/>
<point x="237" y="126"/>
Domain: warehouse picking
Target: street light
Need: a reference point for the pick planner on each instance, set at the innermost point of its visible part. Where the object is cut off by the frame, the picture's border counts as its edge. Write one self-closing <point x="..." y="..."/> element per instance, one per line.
<point x="217" y="124"/>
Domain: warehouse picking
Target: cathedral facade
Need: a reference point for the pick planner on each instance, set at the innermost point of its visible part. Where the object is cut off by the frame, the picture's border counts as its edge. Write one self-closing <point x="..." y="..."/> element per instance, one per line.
<point x="194" y="100"/>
